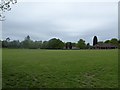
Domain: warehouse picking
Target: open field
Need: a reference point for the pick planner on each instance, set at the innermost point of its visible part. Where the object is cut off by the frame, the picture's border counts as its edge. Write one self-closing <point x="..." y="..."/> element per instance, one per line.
<point x="60" y="68"/>
<point x="0" y="68"/>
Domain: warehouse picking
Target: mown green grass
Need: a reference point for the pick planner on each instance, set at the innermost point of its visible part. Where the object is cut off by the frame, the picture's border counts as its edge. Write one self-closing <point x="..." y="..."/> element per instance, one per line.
<point x="0" y="68"/>
<point x="60" y="68"/>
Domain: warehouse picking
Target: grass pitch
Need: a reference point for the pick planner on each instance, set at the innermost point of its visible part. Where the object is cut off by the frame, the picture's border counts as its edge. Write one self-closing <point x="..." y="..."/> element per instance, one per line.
<point x="24" y="68"/>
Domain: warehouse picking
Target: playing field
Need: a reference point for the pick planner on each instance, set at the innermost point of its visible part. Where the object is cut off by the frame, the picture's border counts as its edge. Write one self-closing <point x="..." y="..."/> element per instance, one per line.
<point x="60" y="68"/>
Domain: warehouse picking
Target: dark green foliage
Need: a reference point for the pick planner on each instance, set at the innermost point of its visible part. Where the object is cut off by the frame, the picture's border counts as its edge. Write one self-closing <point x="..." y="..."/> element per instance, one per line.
<point x="88" y="46"/>
<point x="4" y="44"/>
<point x="95" y="41"/>
<point x="55" y="44"/>
<point x="52" y="44"/>
<point x="74" y="44"/>
<point x="14" y="44"/>
<point x="30" y="44"/>
<point x="66" y="45"/>
<point x="27" y="42"/>
<point x="45" y="45"/>
<point x="107" y="41"/>
<point x="81" y="44"/>
<point x="8" y="39"/>
<point x="119" y="41"/>
<point x="37" y="44"/>
<point x="114" y="41"/>
<point x="69" y="45"/>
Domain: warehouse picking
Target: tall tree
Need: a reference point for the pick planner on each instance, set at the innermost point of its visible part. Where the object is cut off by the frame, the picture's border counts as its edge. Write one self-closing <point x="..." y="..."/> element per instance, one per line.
<point x="26" y="43"/>
<point x="5" y="43"/>
<point x="8" y="39"/>
<point x="81" y="44"/>
<point x="55" y="44"/>
<point x="95" y="40"/>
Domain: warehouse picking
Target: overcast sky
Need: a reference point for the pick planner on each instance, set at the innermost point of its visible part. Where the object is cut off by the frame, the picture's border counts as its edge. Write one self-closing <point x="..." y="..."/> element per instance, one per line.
<point x="68" y="21"/>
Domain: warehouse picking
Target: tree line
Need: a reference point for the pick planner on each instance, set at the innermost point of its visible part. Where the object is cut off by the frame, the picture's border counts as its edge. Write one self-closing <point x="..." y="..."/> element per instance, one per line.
<point x="53" y="43"/>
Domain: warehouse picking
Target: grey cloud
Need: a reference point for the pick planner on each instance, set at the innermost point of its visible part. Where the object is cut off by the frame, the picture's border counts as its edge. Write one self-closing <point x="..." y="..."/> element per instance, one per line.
<point x="67" y="21"/>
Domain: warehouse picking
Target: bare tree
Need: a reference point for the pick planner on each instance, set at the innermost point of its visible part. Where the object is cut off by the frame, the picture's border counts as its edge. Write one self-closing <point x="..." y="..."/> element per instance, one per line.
<point x="5" y="5"/>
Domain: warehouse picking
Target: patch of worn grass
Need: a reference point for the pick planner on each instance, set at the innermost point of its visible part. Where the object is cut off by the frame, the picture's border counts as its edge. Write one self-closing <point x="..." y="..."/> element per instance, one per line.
<point x="60" y="68"/>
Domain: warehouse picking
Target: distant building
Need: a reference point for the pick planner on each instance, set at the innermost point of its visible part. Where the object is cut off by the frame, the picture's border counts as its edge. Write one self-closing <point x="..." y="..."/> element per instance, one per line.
<point x="105" y="46"/>
<point x="75" y="48"/>
<point x="101" y="45"/>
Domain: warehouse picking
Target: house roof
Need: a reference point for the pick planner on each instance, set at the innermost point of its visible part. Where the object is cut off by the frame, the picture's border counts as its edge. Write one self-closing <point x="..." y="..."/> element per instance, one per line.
<point x="105" y="45"/>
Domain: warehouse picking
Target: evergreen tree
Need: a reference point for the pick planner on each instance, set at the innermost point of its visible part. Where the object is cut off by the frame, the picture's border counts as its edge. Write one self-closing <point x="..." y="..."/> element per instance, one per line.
<point x="95" y="41"/>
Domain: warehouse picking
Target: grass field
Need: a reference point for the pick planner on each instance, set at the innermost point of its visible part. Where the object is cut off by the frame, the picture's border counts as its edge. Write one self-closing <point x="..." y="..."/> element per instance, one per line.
<point x="60" y="68"/>
<point x="0" y="68"/>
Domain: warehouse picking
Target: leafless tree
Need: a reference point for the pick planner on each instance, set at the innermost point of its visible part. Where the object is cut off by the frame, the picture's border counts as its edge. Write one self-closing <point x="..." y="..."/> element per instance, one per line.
<point x="5" y="5"/>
